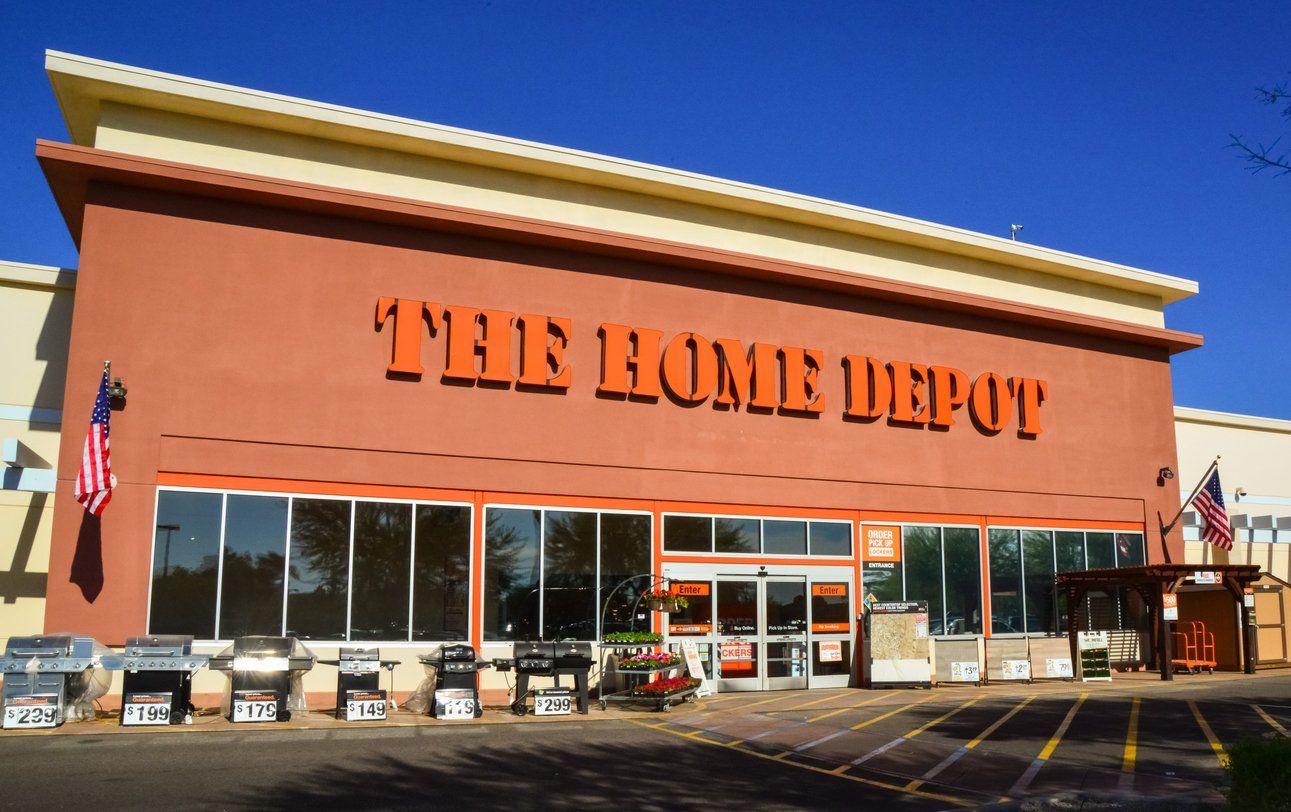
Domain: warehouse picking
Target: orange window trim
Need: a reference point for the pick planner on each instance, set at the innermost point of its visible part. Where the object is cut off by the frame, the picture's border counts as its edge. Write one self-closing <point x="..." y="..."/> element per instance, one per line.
<point x="307" y="486"/>
<point x="1063" y="524"/>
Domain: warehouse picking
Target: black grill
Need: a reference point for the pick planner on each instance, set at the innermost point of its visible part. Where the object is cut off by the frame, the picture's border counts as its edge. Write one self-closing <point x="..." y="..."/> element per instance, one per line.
<point x="264" y="665"/>
<point x="548" y="660"/>
<point x="456" y="669"/>
<point x="155" y="666"/>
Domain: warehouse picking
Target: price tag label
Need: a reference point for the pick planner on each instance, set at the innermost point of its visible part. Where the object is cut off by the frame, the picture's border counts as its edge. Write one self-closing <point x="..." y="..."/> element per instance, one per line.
<point x="965" y="672"/>
<point x="1015" y="669"/>
<point x="255" y="706"/>
<point x="365" y="706"/>
<point x="831" y="651"/>
<point x="553" y="702"/>
<point x="455" y="703"/>
<point x="146" y="709"/>
<point x="1058" y="667"/>
<point x="31" y="711"/>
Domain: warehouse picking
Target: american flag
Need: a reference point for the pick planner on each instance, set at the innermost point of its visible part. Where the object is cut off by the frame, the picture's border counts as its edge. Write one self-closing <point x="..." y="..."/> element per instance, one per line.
<point x="1209" y="502"/>
<point x="95" y="482"/>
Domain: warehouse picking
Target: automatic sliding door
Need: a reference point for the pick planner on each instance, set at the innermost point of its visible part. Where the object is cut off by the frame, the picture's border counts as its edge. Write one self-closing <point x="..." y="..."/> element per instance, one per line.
<point x="785" y="613"/>
<point x="738" y="641"/>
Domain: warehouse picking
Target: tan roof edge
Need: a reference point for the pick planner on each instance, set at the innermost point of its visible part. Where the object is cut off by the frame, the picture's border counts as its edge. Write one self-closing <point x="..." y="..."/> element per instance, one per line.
<point x="81" y="83"/>
<point x="1187" y="414"/>
<point x="43" y="276"/>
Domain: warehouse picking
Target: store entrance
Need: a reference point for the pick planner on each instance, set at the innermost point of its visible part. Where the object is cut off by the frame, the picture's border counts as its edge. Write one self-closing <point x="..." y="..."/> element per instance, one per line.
<point x="764" y="631"/>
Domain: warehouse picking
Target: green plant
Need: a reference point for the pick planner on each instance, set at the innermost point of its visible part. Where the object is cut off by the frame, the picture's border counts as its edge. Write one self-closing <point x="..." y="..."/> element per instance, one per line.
<point x="664" y="687"/>
<point x="634" y="637"/>
<point x="1260" y="772"/>
<point x="664" y="595"/>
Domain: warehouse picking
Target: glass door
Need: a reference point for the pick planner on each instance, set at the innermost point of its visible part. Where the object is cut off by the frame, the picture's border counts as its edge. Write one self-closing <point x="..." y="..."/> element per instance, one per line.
<point x="695" y="622"/>
<point x="737" y="634"/>
<point x="784" y="638"/>
<point x="831" y="636"/>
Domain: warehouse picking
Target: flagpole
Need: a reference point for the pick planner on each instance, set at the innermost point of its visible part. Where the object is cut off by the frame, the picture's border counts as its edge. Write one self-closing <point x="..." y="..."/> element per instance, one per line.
<point x="1166" y="528"/>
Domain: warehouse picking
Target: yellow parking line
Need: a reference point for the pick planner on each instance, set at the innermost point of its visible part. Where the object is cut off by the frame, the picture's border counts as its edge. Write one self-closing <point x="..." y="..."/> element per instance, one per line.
<point x="874" y="698"/>
<point x="1215" y="744"/>
<point x="950" y="799"/>
<point x="1027" y="777"/>
<point x="958" y="754"/>
<point x="818" y="701"/>
<point x="1131" y="738"/>
<point x="921" y="728"/>
<point x="1274" y="723"/>
<point x="749" y="705"/>
<point x="890" y="713"/>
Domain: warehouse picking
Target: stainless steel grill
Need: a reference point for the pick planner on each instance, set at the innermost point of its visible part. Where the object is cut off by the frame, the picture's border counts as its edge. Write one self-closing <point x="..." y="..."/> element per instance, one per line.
<point x="50" y="679"/>
<point x="158" y="681"/>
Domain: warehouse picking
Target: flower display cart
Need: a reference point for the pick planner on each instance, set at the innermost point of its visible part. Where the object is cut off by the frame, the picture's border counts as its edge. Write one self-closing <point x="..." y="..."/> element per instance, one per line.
<point x="641" y="657"/>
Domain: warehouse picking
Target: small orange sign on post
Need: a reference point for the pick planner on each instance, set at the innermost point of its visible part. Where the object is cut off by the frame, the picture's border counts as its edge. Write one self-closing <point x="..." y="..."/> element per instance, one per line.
<point x="882" y="542"/>
<point x="1169" y="607"/>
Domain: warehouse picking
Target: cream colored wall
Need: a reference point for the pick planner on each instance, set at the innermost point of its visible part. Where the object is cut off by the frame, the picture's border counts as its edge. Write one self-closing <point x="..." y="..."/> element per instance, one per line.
<point x="35" y="323"/>
<point x="1256" y="457"/>
<point x="274" y="153"/>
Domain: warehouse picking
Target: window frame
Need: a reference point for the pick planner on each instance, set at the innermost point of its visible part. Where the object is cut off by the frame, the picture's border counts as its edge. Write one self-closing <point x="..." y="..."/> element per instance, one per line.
<point x="982" y="566"/>
<point x="761" y="519"/>
<point x="542" y="555"/>
<point x="291" y="497"/>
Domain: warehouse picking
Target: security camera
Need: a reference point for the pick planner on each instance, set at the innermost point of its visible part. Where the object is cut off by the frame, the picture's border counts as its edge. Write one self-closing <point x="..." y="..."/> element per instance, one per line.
<point x="1240" y="492"/>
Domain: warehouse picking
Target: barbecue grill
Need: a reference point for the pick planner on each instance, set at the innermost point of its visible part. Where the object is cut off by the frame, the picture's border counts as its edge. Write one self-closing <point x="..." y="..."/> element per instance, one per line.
<point x="265" y="677"/>
<point x="358" y="680"/>
<point x="53" y="678"/>
<point x="548" y="660"/>
<point x="158" y="683"/>
<point x="457" y="675"/>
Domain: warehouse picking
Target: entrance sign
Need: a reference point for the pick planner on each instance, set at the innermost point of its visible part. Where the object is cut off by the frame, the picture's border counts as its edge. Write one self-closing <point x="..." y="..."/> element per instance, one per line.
<point x="1169" y="607"/>
<point x="882" y="543"/>
<point x="639" y="362"/>
<point x="695" y="667"/>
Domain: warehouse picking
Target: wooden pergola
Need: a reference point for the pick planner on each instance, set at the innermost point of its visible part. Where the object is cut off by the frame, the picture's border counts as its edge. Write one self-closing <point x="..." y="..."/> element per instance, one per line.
<point x="1151" y="582"/>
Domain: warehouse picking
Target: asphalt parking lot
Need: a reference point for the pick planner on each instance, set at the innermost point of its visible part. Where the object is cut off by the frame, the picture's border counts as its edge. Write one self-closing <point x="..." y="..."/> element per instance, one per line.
<point x="953" y="747"/>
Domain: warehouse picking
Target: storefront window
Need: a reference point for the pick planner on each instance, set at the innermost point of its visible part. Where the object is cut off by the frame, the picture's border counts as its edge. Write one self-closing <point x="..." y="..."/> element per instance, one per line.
<point x="512" y="550"/>
<point x="1100" y="550"/>
<point x="255" y="543"/>
<point x="1069" y="549"/>
<point x="922" y="560"/>
<point x="318" y="567"/>
<point x="784" y="537"/>
<point x="1006" y="582"/>
<point x="688" y="534"/>
<point x="1038" y="584"/>
<point x="185" y="563"/>
<point x="882" y="579"/>
<point x="963" y="564"/>
<point x="441" y="573"/>
<point x="736" y="535"/>
<point x="382" y="564"/>
<point x="625" y="551"/>
<point x="569" y="576"/>
<point x="1129" y="550"/>
<point x="831" y="538"/>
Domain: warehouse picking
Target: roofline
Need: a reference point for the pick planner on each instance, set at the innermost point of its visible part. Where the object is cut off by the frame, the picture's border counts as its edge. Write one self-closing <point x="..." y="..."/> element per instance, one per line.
<point x="40" y="276"/>
<point x="1187" y="414"/>
<point x="81" y="83"/>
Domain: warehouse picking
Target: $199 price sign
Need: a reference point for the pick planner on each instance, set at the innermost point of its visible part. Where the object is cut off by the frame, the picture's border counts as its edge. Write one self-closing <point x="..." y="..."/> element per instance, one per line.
<point x="146" y="709"/>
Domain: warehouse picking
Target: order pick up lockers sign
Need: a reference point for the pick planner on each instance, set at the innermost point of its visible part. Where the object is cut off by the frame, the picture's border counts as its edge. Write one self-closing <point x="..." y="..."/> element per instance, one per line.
<point x="642" y="363"/>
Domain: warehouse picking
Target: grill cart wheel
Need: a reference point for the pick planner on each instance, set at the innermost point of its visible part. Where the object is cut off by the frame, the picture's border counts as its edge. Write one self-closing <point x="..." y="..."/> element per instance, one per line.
<point x="284" y="716"/>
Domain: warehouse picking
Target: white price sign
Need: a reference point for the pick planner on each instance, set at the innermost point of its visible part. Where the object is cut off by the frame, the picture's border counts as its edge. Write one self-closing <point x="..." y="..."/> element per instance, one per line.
<point x="1058" y="667"/>
<point x="552" y="702"/>
<point x="146" y="709"/>
<point x="1015" y="669"/>
<point x="455" y="703"/>
<point x="33" y="710"/>
<point x="965" y="672"/>
<point x="365" y="706"/>
<point x="255" y="706"/>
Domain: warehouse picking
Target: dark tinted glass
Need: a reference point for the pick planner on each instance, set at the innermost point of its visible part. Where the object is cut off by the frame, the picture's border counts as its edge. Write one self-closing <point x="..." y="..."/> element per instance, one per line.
<point x="882" y="580"/>
<point x="569" y="577"/>
<point x="1069" y="546"/>
<point x="382" y="567"/>
<point x="963" y="556"/>
<point x="1037" y="577"/>
<point x="784" y="537"/>
<point x="1006" y="582"/>
<point x="688" y="534"/>
<point x="185" y="564"/>
<point x="318" y="566"/>
<point x="625" y="551"/>
<point x="441" y="573"/>
<point x="1129" y="550"/>
<point x="255" y="542"/>
<point x="831" y="538"/>
<point x="829" y="610"/>
<point x="736" y="535"/>
<point x="923" y="572"/>
<point x="511" y="561"/>
<point x="786" y="607"/>
<point x="1101" y="550"/>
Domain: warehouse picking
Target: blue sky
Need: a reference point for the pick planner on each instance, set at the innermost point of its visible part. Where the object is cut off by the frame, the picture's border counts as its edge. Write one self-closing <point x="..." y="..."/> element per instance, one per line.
<point x="1100" y="127"/>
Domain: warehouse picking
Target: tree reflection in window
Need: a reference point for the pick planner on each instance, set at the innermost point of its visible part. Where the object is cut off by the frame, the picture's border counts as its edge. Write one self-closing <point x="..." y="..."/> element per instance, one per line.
<point x="318" y="569"/>
<point x="185" y="563"/>
<point x="442" y="573"/>
<point x="255" y="541"/>
<point x="382" y="548"/>
<point x="511" y="573"/>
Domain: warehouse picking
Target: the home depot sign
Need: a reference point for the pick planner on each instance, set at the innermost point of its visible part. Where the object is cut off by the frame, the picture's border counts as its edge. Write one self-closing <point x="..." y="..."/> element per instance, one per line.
<point x="641" y="363"/>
